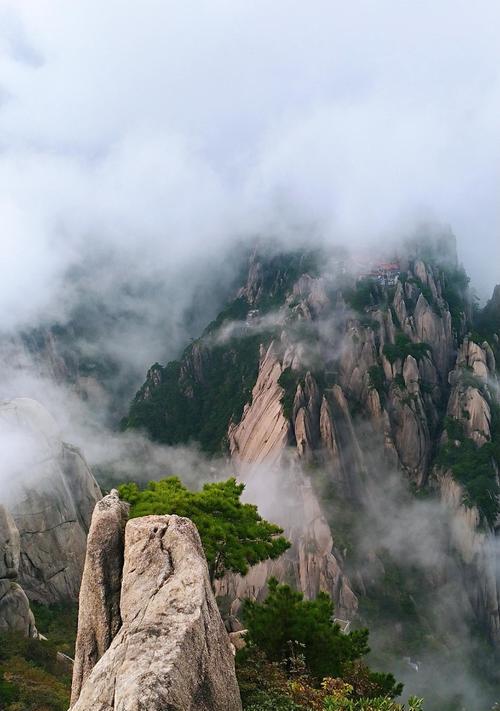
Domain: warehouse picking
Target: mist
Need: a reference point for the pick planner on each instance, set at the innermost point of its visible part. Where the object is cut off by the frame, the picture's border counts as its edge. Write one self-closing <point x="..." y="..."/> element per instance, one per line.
<point x="138" y="145"/>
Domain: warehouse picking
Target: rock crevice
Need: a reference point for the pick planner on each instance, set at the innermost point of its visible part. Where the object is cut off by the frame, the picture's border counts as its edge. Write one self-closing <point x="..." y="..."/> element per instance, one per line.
<point x="165" y="647"/>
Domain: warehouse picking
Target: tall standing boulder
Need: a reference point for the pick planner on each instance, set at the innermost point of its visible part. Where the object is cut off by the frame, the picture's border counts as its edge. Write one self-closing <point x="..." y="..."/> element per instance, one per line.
<point x="172" y="650"/>
<point x="99" y="612"/>
<point x="15" y="613"/>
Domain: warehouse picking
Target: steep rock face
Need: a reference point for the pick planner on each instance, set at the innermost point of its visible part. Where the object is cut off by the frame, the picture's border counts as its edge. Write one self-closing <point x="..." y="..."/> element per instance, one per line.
<point x="349" y="470"/>
<point x="99" y="612"/>
<point x="258" y="446"/>
<point x="358" y="355"/>
<point x="312" y="295"/>
<point x="9" y="545"/>
<point x="306" y="416"/>
<point x="472" y="390"/>
<point x="51" y="501"/>
<point x="60" y="354"/>
<point x="435" y="330"/>
<point x="263" y="431"/>
<point x="172" y="651"/>
<point x="311" y="564"/>
<point x="479" y="554"/>
<point x="477" y="420"/>
<point x="409" y="428"/>
<point x="468" y="403"/>
<point x="15" y="613"/>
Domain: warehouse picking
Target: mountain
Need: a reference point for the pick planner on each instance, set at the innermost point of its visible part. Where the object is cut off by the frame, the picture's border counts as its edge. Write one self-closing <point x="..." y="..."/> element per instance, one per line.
<point x="358" y="400"/>
<point x="51" y="494"/>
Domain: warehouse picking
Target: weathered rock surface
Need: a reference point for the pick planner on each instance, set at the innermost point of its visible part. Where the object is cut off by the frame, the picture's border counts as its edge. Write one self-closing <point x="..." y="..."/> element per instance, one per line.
<point x="51" y="500"/>
<point x="476" y="545"/>
<point x="172" y="650"/>
<point x="311" y="564"/>
<point x="9" y="545"/>
<point x="467" y="402"/>
<point x="478" y="550"/>
<point x="263" y="431"/>
<point x="435" y="330"/>
<point x="410" y="429"/>
<point x="15" y="613"/>
<point x="99" y="612"/>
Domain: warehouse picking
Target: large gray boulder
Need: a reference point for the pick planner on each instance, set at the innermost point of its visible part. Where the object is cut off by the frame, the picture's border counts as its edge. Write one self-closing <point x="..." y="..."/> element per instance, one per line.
<point x="51" y="496"/>
<point x="15" y="613"/>
<point x="99" y="616"/>
<point x="9" y="545"/>
<point x="172" y="651"/>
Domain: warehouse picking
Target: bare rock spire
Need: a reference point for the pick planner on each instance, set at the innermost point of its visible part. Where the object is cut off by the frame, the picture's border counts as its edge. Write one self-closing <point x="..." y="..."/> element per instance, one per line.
<point x="172" y="650"/>
<point x="99" y="613"/>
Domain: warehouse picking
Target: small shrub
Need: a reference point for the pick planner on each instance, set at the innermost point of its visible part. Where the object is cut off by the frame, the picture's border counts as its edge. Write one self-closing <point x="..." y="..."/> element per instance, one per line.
<point x="289" y="380"/>
<point x="403" y="347"/>
<point x="377" y="378"/>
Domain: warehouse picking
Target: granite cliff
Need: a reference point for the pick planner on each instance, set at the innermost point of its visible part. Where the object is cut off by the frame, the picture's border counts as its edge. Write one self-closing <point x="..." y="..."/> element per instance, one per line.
<point x="51" y="493"/>
<point x="313" y="376"/>
<point x="15" y="613"/>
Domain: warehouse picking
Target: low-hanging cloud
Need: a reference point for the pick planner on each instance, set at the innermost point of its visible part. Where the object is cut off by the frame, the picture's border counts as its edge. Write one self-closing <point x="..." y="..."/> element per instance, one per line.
<point x="158" y="137"/>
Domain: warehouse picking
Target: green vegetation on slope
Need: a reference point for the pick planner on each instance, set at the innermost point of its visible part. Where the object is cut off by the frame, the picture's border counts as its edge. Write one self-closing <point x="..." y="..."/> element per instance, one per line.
<point x="58" y="622"/>
<point x="473" y="466"/>
<point x="377" y="380"/>
<point x="285" y="617"/>
<point x="455" y="293"/>
<point x="403" y="347"/>
<point x="365" y="293"/>
<point x="297" y="659"/>
<point x="267" y="686"/>
<point x="280" y="272"/>
<point x="183" y="407"/>
<point x="196" y="397"/>
<point x="233" y="534"/>
<point x="288" y="380"/>
<point x="31" y="677"/>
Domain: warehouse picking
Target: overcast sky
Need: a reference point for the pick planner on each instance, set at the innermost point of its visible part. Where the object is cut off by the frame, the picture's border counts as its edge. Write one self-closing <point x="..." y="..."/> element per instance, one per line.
<point x="160" y="130"/>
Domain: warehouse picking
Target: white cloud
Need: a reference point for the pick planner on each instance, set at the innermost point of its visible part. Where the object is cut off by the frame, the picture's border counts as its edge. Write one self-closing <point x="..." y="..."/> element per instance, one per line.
<point x="159" y="132"/>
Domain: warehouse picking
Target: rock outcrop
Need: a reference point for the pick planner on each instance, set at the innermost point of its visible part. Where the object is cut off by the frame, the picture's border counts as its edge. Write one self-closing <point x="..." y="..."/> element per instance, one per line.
<point x="15" y="613"/>
<point x="51" y="500"/>
<point x="172" y="650"/>
<point x="473" y="393"/>
<point x="99" y="613"/>
<point x="312" y="564"/>
<point x="259" y="447"/>
<point x="263" y="431"/>
<point x="478" y="551"/>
